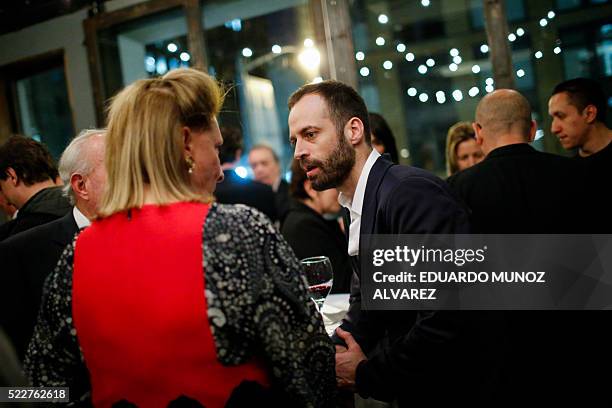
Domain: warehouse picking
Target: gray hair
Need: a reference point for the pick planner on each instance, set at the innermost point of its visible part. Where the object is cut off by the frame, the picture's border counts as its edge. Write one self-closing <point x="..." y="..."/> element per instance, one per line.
<point x="263" y="146"/>
<point x="74" y="161"/>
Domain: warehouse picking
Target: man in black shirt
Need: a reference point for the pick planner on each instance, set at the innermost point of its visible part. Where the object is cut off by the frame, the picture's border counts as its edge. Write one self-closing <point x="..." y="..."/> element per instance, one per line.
<point x="578" y="110"/>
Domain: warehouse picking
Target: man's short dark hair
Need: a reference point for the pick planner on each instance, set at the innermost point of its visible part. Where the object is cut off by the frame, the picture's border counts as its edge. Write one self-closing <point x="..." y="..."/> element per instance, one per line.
<point x="232" y="142"/>
<point x="30" y="159"/>
<point x="298" y="177"/>
<point x="583" y="92"/>
<point x="343" y="103"/>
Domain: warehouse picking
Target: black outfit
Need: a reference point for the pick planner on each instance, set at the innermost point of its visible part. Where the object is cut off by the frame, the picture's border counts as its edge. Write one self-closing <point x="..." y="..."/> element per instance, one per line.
<point x="557" y="357"/>
<point x="282" y="200"/>
<point x="309" y="234"/>
<point x="517" y="189"/>
<point x="27" y="259"/>
<point x="11" y="374"/>
<point x="236" y="190"/>
<point x="598" y="174"/>
<point x="419" y="358"/>
<point x="6" y="228"/>
<point x="600" y="162"/>
<point x="47" y="205"/>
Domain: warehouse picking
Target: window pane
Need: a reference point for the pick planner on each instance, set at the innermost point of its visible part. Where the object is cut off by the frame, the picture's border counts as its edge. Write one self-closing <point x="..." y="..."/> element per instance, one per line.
<point x="142" y="48"/>
<point x="44" y="109"/>
<point x="567" y="4"/>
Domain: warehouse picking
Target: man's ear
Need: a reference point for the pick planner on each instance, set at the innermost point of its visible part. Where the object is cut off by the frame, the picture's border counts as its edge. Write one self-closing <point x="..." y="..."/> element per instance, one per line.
<point x="477" y="132"/>
<point x="532" y="130"/>
<point x="354" y="130"/>
<point x="12" y="176"/>
<point x="77" y="183"/>
<point x="590" y="113"/>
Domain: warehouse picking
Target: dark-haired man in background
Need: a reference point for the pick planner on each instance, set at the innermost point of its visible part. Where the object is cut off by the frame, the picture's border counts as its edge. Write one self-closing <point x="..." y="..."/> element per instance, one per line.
<point x="234" y="189"/>
<point x="578" y="110"/>
<point x="27" y="180"/>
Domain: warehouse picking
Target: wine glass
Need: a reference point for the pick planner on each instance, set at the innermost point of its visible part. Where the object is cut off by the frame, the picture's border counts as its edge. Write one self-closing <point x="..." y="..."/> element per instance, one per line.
<point x="320" y="278"/>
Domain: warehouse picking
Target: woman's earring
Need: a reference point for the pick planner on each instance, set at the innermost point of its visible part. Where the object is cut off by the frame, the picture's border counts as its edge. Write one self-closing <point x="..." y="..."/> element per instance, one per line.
<point x="190" y="164"/>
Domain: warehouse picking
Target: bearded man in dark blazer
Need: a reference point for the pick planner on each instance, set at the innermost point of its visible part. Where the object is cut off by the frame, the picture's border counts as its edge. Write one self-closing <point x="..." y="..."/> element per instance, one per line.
<point x="28" y="257"/>
<point x="431" y="358"/>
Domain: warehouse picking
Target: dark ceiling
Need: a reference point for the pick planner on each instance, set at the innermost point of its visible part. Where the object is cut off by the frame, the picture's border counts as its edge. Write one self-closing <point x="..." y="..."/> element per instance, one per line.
<point x="17" y="14"/>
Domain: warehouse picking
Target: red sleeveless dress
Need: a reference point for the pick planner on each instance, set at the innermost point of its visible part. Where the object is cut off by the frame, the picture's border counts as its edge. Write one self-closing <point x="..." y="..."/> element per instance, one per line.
<point x="140" y="311"/>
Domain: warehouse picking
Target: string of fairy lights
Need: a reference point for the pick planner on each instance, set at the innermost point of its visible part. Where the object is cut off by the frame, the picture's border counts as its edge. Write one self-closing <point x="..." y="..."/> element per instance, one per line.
<point x="427" y="64"/>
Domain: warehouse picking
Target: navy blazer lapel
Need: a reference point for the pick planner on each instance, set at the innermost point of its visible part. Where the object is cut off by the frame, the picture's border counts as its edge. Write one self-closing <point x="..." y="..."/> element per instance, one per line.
<point x="370" y="198"/>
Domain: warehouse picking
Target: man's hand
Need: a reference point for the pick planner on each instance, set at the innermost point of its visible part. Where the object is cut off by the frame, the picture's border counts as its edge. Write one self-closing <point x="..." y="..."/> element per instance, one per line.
<point x="340" y="349"/>
<point x="347" y="360"/>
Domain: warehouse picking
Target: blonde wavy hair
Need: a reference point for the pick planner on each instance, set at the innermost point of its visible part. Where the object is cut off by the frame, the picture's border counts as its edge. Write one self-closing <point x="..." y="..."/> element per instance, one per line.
<point x="145" y="143"/>
<point x="457" y="134"/>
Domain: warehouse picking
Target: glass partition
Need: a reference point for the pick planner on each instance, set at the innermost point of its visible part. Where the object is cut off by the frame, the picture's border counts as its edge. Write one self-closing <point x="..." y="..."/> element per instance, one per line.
<point x="44" y="110"/>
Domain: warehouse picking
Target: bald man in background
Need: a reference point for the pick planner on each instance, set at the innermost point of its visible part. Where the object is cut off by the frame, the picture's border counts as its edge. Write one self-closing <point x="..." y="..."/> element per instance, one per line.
<point x="555" y="356"/>
<point x="516" y="189"/>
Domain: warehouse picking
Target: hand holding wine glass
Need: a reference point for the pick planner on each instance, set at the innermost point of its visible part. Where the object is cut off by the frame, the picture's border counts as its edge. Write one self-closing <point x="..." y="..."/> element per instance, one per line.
<point x="320" y="277"/>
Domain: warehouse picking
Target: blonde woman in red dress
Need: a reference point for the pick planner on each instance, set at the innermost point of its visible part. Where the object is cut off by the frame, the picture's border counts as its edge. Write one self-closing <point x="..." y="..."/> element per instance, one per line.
<point x="169" y="299"/>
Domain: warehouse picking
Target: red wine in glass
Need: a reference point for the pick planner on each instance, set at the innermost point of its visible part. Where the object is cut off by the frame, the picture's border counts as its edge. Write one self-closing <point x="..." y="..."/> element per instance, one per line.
<point x="320" y="292"/>
<point x="320" y="277"/>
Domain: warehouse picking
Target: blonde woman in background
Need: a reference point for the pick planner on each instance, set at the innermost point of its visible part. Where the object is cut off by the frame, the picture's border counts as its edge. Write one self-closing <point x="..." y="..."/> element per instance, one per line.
<point x="168" y="298"/>
<point x="462" y="151"/>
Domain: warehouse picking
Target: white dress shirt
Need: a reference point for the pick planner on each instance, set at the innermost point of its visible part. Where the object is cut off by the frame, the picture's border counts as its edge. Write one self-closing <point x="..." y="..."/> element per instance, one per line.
<point x="81" y="220"/>
<point x="355" y="205"/>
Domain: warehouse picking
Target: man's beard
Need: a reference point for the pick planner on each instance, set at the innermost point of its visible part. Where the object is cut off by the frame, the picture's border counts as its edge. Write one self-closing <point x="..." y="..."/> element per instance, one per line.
<point x="335" y="169"/>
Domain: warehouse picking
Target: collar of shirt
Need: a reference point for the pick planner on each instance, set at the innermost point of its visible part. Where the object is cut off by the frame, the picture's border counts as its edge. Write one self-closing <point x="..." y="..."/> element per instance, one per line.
<point x="355" y="205"/>
<point x="81" y="220"/>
